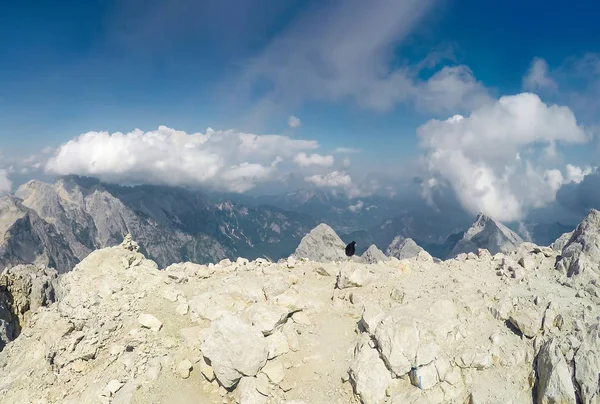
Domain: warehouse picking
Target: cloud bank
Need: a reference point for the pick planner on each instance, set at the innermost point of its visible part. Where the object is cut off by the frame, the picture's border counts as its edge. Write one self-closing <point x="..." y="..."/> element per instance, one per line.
<point x="228" y="160"/>
<point x="492" y="158"/>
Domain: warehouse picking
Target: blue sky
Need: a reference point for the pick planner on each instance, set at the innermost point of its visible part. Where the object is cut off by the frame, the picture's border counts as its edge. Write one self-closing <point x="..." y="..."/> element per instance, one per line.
<point x="357" y="75"/>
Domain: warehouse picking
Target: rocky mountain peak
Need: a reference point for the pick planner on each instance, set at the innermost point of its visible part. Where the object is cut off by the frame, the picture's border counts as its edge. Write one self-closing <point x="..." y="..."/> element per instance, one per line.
<point x="580" y="253"/>
<point x="373" y="255"/>
<point x="487" y="233"/>
<point x="321" y="244"/>
<point x="403" y="248"/>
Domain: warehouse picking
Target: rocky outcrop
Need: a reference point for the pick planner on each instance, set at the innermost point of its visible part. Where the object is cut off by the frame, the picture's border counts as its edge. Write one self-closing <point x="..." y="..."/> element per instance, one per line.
<point x="554" y="377"/>
<point x="488" y="234"/>
<point x="322" y="244"/>
<point x="560" y="242"/>
<point x="403" y="248"/>
<point x="373" y="255"/>
<point x="580" y="255"/>
<point x="254" y="331"/>
<point x="25" y="238"/>
<point x="23" y="289"/>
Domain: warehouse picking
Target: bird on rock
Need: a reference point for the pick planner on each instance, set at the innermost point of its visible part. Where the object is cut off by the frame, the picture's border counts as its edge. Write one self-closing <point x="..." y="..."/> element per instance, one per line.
<point x="350" y="249"/>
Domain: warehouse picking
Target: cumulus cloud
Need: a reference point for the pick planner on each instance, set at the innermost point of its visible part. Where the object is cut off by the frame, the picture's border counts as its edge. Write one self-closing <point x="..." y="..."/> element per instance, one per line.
<point x="482" y="156"/>
<point x="345" y="50"/>
<point x="5" y="182"/>
<point x="228" y="159"/>
<point x="293" y="122"/>
<point x="538" y="77"/>
<point x="305" y="160"/>
<point x="336" y="180"/>
<point x="357" y="206"/>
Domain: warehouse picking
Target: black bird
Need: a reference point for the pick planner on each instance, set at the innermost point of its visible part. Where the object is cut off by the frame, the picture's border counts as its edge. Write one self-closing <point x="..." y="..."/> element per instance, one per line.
<point x="350" y="250"/>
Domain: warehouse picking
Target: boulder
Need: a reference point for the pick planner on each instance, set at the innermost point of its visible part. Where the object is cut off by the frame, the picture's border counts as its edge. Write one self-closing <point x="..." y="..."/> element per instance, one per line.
<point x="554" y="378"/>
<point x="235" y="349"/>
<point x="268" y="317"/>
<point x="398" y="340"/>
<point x="369" y="375"/>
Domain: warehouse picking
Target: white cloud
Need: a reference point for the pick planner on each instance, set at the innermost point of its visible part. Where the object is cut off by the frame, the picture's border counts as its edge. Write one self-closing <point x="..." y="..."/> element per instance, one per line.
<point x="337" y="180"/>
<point x="305" y="160"/>
<point x="356" y="207"/>
<point x="537" y="77"/>
<point x="225" y="159"/>
<point x="481" y="156"/>
<point x="449" y="88"/>
<point x="345" y="50"/>
<point x="576" y="174"/>
<point x="293" y="122"/>
<point x="334" y="179"/>
<point x="5" y="182"/>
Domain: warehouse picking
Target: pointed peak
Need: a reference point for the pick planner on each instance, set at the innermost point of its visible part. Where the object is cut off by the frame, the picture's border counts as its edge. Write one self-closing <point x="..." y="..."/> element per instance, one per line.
<point x="483" y="218"/>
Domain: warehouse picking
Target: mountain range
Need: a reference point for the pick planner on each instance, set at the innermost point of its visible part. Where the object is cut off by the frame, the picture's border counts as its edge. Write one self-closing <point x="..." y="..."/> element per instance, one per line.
<point x="60" y="223"/>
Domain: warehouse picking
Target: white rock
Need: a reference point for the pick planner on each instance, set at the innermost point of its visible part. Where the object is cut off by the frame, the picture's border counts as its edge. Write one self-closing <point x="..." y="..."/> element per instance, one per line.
<point x="371" y="317"/>
<point x="274" y="371"/>
<point x="358" y="277"/>
<point x="398" y="340"/>
<point x="246" y="392"/>
<point x="427" y="353"/>
<point x="300" y="317"/>
<point x="278" y="344"/>
<point x="112" y="387"/>
<point x="149" y="321"/>
<point x="206" y="370"/>
<point x="292" y="337"/>
<point x="262" y="384"/>
<point x="268" y="317"/>
<point x="370" y="376"/>
<point x="182" y="309"/>
<point x="527" y="320"/>
<point x="235" y="349"/>
<point x="192" y="336"/>
<point x="171" y="295"/>
<point x="184" y="368"/>
<point x="424" y="377"/>
<point x="555" y="385"/>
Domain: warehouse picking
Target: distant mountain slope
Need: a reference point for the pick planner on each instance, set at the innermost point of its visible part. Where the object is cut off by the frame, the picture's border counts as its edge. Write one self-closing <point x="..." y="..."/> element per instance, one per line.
<point x="489" y="234"/>
<point x="26" y="238"/>
<point x="342" y="213"/>
<point x="171" y="224"/>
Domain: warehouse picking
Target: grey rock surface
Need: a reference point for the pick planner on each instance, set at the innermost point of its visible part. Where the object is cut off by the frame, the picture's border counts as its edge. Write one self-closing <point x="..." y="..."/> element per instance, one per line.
<point x="403" y="248"/>
<point x="23" y="289"/>
<point x="580" y="256"/>
<point x="170" y="224"/>
<point x="25" y="238"/>
<point x="321" y="244"/>
<point x="373" y="255"/>
<point x="489" y="234"/>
